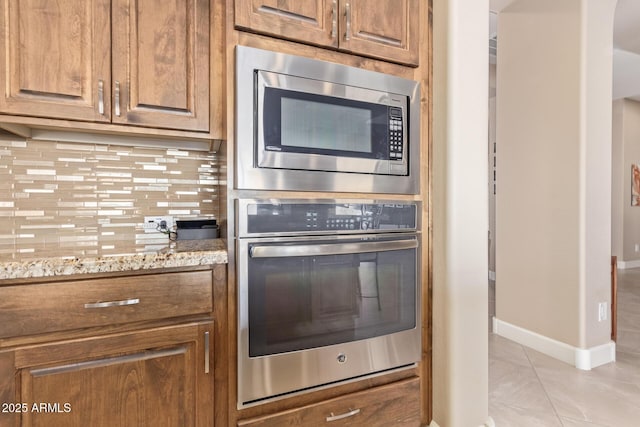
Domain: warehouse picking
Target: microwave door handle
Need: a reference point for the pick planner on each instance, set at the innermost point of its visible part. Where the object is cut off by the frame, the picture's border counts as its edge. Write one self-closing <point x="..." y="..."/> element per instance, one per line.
<point x="330" y="248"/>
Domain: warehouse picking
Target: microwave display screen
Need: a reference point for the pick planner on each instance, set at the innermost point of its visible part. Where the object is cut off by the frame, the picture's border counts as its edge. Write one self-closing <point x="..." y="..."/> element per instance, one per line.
<point x="325" y="126"/>
<point x="331" y="126"/>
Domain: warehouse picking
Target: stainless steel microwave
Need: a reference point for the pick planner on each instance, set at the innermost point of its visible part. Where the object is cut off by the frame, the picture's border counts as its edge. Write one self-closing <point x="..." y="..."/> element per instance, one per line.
<point x="305" y="124"/>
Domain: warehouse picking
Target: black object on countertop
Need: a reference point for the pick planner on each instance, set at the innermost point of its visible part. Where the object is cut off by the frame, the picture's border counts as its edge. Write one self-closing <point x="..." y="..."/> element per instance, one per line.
<point x="197" y="229"/>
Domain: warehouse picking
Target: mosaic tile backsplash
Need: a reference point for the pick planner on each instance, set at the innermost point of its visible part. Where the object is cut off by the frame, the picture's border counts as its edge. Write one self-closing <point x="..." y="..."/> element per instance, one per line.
<point x="91" y="198"/>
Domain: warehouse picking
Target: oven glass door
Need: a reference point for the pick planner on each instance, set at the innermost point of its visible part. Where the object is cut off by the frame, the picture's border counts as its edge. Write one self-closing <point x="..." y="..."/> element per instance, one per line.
<point x="303" y="295"/>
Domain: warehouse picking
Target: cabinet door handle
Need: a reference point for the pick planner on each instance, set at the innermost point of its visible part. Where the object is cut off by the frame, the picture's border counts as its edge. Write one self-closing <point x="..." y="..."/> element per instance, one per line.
<point x="206" y="352"/>
<point x="347" y="12"/>
<point x="351" y="413"/>
<point x="131" y="301"/>
<point x="101" y="97"/>
<point x="334" y="20"/>
<point x="117" y="98"/>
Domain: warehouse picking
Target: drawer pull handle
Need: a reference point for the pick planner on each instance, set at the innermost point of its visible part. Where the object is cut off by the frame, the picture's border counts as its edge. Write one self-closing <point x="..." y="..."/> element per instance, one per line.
<point x="132" y="301"/>
<point x="342" y="416"/>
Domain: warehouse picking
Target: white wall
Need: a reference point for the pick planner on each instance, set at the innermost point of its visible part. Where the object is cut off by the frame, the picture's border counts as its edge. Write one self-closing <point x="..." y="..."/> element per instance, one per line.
<point x="626" y="151"/>
<point x="492" y="168"/>
<point x="618" y="173"/>
<point x="554" y="131"/>
<point x="460" y="86"/>
<point x="595" y="170"/>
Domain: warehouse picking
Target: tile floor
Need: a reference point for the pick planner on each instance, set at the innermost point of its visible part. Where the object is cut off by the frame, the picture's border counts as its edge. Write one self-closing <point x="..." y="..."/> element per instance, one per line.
<point x="528" y="388"/>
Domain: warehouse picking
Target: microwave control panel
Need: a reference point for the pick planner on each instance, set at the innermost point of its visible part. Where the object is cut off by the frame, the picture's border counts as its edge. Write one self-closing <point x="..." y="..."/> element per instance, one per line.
<point x="396" y="139"/>
<point x="330" y="217"/>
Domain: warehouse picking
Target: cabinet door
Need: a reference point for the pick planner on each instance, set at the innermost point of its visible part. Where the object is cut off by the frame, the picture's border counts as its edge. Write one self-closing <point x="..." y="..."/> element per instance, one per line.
<point x="309" y="21"/>
<point x="385" y="29"/>
<point x="56" y="58"/>
<point x="158" y="377"/>
<point x="161" y="63"/>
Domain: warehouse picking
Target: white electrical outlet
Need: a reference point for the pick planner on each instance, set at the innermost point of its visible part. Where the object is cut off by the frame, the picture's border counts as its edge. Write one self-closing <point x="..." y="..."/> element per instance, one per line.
<point x="153" y="224"/>
<point x="637" y="247"/>
<point x="602" y="311"/>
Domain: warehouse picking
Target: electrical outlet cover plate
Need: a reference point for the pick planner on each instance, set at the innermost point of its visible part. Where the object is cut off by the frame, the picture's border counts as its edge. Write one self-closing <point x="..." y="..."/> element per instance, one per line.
<point x="602" y="311"/>
<point x="151" y="223"/>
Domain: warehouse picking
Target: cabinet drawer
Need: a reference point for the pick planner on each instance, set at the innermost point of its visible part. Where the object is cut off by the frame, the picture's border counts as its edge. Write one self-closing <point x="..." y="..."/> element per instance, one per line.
<point x="395" y="405"/>
<point x="40" y="308"/>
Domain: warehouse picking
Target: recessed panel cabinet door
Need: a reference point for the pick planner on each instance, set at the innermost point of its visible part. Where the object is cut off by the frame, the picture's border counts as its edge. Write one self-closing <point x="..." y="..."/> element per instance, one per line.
<point x="149" y="378"/>
<point x="385" y="29"/>
<point x="311" y="21"/>
<point x="56" y="58"/>
<point x="161" y="63"/>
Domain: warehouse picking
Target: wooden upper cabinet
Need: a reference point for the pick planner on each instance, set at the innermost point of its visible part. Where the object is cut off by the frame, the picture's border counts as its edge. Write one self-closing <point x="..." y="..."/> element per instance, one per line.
<point x="161" y="63"/>
<point x="57" y="56"/>
<point x="136" y="62"/>
<point x="384" y="29"/>
<point x="310" y="21"/>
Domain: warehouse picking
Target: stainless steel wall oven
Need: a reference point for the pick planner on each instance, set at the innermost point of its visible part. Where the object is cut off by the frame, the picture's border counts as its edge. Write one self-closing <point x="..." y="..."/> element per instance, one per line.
<point x="328" y="292"/>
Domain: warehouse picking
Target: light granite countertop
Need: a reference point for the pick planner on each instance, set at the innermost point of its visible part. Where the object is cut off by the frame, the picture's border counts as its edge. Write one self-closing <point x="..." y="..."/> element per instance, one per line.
<point x="62" y="261"/>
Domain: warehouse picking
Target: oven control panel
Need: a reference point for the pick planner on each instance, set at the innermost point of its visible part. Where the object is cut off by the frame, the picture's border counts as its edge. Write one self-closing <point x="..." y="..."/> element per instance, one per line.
<point x="314" y="224"/>
<point x="306" y="217"/>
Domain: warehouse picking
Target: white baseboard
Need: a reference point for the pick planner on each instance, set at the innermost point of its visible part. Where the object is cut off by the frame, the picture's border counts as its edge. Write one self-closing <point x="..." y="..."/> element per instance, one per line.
<point x="589" y="358"/>
<point x="581" y="358"/>
<point x="488" y="423"/>
<point x="623" y="265"/>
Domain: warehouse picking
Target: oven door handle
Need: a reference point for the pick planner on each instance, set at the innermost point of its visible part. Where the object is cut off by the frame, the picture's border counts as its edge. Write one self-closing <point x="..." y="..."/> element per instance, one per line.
<point x="331" y="248"/>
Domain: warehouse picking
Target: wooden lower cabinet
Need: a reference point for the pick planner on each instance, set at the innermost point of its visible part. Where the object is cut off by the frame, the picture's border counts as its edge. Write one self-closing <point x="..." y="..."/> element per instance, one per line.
<point x="112" y="301"/>
<point x="156" y="377"/>
<point x="396" y="404"/>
